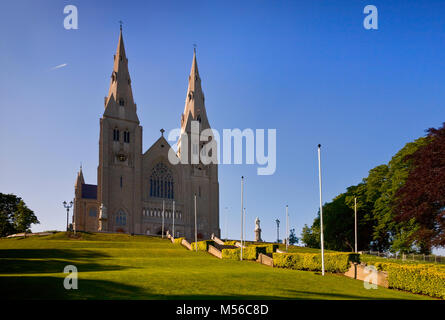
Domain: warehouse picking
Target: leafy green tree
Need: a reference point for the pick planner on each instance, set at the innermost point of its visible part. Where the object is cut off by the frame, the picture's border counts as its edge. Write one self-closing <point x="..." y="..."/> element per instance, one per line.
<point x="15" y="216"/>
<point x="388" y="230"/>
<point x="310" y="236"/>
<point x="293" y="237"/>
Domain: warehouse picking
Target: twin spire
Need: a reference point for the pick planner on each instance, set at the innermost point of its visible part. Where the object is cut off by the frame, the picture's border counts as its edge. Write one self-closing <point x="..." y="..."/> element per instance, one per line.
<point x="120" y="92"/>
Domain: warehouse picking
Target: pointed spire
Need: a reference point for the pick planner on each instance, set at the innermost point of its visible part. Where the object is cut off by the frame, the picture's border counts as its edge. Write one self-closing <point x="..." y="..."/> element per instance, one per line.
<point x="120" y="92"/>
<point x="80" y="180"/>
<point x="194" y="101"/>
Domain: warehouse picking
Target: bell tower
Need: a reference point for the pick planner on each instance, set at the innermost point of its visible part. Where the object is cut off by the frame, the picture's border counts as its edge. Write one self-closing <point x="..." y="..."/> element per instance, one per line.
<point x="120" y="151"/>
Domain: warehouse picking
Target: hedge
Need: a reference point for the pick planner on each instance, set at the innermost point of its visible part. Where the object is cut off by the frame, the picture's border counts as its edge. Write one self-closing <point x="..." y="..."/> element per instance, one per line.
<point x="270" y="247"/>
<point x="178" y="240"/>
<point x="249" y="253"/>
<point x="417" y="278"/>
<point x="230" y="242"/>
<point x="202" y="245"/>
<point x="333" y="262"/>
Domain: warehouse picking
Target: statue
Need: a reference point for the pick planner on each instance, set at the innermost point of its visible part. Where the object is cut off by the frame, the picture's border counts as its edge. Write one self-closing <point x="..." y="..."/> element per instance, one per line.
<point x="103" y="212"/>
<point x="102" y="217"/>
<point x="257" y="230"/>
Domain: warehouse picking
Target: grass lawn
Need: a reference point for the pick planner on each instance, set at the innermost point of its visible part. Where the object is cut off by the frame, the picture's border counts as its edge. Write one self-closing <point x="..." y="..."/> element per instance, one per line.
<point x="117" y="266"/>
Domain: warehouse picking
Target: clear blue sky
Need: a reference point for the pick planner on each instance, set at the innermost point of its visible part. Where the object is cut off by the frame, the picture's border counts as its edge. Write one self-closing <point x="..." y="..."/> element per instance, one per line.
<point x="307" y="68"/>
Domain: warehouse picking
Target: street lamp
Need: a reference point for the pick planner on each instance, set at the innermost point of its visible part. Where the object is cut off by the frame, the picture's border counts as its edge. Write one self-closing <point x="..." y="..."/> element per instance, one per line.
<point x="278" y="230"/>
<point x="67" y="207"/>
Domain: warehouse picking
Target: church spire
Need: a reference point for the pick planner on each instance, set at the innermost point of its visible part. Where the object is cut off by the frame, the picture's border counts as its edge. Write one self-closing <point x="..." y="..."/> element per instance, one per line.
<point x="194" y="102"/>
<point x="120" y="92"/>
<point x="80" y="180"/>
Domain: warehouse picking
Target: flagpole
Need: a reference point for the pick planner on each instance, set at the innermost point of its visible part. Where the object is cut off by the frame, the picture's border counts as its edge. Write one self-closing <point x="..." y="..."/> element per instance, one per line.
<point x="287" y="228"/>
<point x="163" y="204"/>
<point x="355" y="222"/>
<point x="196" y="230"/>
<point x="242" y="206"/>
<point x="173" y="218"/>
<point x="321" y="211"/>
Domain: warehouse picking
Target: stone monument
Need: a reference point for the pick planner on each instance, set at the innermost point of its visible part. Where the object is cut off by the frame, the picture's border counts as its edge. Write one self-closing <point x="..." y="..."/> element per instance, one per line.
<point x="102" y="217"/>
<point x="257" y="230"/>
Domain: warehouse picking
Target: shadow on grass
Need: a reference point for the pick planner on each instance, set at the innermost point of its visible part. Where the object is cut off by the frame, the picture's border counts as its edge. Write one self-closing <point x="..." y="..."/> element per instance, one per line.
<point x="28" y="261"/>
<point x="44" y="288"/>
<point x="50" y="254"/>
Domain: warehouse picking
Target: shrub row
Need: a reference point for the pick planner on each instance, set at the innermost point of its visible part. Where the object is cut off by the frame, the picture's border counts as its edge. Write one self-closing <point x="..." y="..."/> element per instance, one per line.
<point x="178" y="240"/>
<point x="202" y="245"/>
<point x="270" y="247"/>
<point x="426" y="279"/>
<point x="249" y="253"/>
<point x="230" y="242"/>
<point x="333" y="262"/>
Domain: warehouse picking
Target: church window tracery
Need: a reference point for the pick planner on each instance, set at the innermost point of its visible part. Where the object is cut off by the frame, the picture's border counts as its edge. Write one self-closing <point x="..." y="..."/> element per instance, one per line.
<point x="161" y="182"/>
<point x="121" y="218"/>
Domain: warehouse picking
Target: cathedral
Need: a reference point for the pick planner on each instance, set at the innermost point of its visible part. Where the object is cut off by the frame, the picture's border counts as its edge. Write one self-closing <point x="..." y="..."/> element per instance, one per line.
<point x="140" y="192"/>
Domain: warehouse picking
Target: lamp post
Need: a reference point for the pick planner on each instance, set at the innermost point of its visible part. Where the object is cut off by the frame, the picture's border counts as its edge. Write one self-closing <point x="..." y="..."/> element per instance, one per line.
<point x="321" y="211"/>
<point x="67" y="207"/>
<point x="278" y="230"/>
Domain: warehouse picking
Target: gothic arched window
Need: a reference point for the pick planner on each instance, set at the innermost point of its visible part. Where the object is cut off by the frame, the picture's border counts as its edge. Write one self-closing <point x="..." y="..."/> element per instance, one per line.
<point x="161" y="182"/>
<point x="121" y="218"/>
<point x="116" y="134"/>
<point x="127" y="136"/>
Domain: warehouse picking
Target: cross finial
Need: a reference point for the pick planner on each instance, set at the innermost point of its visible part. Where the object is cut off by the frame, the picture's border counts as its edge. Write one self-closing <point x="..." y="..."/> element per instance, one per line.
<point x="120" y="22"/>
<point x="162" y="132"/>
<point x="194" y="47"/>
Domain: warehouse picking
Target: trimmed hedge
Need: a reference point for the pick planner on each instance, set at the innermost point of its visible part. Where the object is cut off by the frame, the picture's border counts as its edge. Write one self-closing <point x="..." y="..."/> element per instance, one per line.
<point x="426" y="279"/>
<point x="270" y="248"/>
<point x="202" y="245"/>
<point x="333" y="262"/>
<point x="249" y="253"/>
<point x="178" y="240"/>
<point x="231" y="254"/>
<point x="230" y="242"/>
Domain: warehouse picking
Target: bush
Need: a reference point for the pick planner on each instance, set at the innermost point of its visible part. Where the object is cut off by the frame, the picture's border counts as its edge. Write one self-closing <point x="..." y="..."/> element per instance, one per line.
<point x="333" y="262"/>
<point x="270" y="247"/>
<point x="230" y="242"/>
<point x="231" y="254"/>
<point x="178" y="240"/>
<point x="202" y="245"/>
<point x="249" y="253"/>
<point x="417" y="278"/>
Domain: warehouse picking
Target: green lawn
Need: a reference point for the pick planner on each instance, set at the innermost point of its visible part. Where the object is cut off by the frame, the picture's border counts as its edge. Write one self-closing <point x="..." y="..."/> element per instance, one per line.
<point x="139" y="267"/>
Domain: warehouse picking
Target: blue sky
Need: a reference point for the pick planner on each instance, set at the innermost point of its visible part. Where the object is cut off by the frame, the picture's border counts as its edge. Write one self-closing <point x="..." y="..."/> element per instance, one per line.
<point x="306" y="68"/>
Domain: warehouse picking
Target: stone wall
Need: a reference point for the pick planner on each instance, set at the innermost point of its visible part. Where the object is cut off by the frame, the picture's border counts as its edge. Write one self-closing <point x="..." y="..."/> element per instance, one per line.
<point x="264" y="259"/>
<point x="186" y="244"/>
<point x="213" y="251"/>
<point x="362" y="272"/>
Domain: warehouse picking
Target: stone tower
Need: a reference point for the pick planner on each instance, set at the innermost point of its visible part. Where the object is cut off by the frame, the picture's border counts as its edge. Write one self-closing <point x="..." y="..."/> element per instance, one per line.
<point x="120" y="150"/>
<point x="201" y="179"/>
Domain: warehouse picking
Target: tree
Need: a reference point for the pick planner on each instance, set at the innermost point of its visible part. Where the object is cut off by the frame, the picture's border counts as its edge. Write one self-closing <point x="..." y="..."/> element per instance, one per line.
<point x="388" y="231"/>
<point x="15" y="216"/>
<point x="421" y="200"/>
<point x="293" y="237"/>
<point x="310" y="236"/>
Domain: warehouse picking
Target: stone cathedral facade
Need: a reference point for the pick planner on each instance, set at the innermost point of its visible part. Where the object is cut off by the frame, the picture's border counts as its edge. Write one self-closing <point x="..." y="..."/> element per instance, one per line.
<point x="135" y="187"/>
